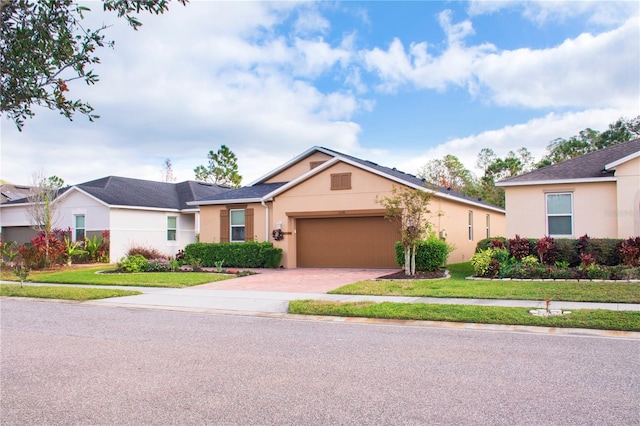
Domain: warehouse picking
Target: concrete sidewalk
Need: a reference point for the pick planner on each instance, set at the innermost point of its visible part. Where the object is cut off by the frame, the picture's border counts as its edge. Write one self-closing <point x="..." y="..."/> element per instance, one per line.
<point x="278" y="302"/>
<point x="265" y="301"/>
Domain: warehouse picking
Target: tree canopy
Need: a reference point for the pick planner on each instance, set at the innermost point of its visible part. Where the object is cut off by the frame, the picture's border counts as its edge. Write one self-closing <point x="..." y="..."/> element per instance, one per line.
<point x="589" y="140"/>
<point x="44" y="45"/>
<point x="222" y="168"/>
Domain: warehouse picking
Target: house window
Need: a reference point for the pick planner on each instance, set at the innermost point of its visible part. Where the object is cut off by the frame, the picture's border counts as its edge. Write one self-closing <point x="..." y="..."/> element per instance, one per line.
<point x="172" y="228"/>
<point x="340" y="181"/>
<point x="488" y="226"/>
<point x="470" y="225"/>
<point x="79" y="227"/>
<point x="237" y="223"/>
<point x="560" y="214"/>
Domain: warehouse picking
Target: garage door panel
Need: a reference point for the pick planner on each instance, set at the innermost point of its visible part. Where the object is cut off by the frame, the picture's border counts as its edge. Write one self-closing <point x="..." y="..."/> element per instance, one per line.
<point x="355" y="242"/>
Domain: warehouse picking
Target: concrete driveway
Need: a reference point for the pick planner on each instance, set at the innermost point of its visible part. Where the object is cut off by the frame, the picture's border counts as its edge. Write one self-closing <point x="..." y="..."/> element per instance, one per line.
<point x="297" y="280"/>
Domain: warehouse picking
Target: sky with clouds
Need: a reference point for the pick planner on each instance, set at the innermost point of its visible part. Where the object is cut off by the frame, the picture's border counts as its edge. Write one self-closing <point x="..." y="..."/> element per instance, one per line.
<point x="397" y="83"/>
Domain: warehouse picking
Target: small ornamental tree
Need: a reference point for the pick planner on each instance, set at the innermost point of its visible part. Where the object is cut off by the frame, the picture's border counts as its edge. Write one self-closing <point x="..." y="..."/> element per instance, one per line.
<point x="42" y="210"/>
<point x="407" y="208"/>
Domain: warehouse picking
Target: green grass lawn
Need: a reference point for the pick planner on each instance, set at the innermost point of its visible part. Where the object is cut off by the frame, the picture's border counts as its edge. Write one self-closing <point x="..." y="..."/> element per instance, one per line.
<point x="88" y="275"/>
<point x="67" y="293"/>
<point x="582" y="318"/>
<point x="458" y="286"/>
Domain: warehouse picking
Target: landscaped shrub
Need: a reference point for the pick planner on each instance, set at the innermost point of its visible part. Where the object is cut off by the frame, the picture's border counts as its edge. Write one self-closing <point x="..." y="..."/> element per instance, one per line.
<point x="146" y="252"/>
<point x="519" y="247"/>
<point x="596" y="272"/>
<point x="135" y="263"/>
<point x="567" y="251"/>
<point x="605" y="251"/>
<point x="481" y="261"/>
<point x="157" y="265"/>
<point x="495" y="242"/>
<point x="249" y="254"/>
<point x="623" y="272"/>
<point x="629" y="251"/>
<point x="431" y="254"/>
<point x="525" y="270"/>
<point x="546" y="249"/>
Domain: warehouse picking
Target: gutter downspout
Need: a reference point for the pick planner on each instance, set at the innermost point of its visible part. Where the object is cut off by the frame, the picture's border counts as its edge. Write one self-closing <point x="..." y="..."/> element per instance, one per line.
<point x="266" y="232"/>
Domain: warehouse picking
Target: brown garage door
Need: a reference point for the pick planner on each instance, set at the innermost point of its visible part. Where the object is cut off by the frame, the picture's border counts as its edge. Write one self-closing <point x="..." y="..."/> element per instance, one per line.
<point x="354" y="242"/>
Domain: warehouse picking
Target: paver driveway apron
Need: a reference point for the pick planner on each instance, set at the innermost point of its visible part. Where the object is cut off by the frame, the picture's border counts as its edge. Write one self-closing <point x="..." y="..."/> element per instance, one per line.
<point x="298" y="280"/>
<point x="270" y="290"/>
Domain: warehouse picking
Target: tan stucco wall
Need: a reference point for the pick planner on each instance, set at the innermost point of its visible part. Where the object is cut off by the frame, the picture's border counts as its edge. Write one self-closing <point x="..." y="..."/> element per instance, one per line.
<point x="453" y="218"/>
<point x="298" y="169"/>
<point x="210" y="222"/>
<point x="593" y="204"/>
<point x="628" y="204"/>
<point x="314" y="198"/>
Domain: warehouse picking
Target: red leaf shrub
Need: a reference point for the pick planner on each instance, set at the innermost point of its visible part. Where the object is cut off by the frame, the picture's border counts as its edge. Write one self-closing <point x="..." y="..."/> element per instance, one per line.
<point x="629" y="251"/>
<point x="519" y="247"/>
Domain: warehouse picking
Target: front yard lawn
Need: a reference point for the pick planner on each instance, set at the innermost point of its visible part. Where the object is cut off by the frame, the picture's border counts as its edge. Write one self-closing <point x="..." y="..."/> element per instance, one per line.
<point x="67" y="293"/>
<point x="458" y="286"/>
<point x="582" y="318"/>
<point x="88" y="275"/>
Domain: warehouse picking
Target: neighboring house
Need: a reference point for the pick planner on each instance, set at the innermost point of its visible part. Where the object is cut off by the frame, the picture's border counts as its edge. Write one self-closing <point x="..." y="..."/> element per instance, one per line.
<point x="10" y="192"/>
<point x="325" y="204"/>
<point x="596" y="194"/>
<point x="135" y="212"/>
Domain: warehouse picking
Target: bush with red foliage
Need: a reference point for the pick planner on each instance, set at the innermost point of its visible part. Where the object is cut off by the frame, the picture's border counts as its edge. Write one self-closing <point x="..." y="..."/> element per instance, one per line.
<point x="519" y="247"/>
<point x="546" y="248"/>
<point x="629" y="251"/>
<point x="39" y="254"/>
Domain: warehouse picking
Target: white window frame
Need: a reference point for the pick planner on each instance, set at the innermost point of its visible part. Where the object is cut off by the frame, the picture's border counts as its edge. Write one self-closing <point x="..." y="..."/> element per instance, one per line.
<point x="76" y="228"/>
<point x="488" y="225"/>
<point x="470" y="225"/>
<point x="548" y="215"/>
<point x="175" y="229"/>
<point x="232" y="226"/>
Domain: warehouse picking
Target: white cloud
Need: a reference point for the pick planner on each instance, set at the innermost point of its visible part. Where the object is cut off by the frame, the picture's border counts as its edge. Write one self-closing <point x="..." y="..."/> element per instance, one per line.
<point x="419" y="68"/>
<point x="310" y="21"/>
<point x="605" y="13"/>
<point x="587" y="71"/>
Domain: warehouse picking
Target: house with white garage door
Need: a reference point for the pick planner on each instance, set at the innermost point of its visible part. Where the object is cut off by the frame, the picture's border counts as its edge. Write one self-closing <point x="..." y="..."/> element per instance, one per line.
<point x="136" y="212"/>
<point x="324" y="205"/>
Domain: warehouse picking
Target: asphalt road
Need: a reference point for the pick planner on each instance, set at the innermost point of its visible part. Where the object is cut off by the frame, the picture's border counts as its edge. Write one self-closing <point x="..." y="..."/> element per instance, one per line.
<point x="65" y="363"/>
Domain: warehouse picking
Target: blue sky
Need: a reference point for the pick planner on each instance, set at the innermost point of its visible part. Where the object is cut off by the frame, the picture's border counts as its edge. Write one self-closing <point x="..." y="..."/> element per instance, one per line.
<point x="398" y="83"/>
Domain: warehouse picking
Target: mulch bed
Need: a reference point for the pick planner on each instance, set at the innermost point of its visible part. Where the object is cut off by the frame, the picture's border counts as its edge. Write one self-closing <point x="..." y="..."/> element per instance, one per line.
<point x="420" y="275"/>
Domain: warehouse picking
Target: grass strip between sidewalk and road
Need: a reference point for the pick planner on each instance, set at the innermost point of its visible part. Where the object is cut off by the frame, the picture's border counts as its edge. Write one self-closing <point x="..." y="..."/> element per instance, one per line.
<point x="459" y="287"/>
<point x="89" y="275"/>
<point x="60" y="292"/>
<point x="581" y="318"/>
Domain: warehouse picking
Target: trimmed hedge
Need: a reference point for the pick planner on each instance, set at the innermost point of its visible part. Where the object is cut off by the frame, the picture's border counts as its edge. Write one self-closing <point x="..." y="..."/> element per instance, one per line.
<point x="431" y="255"/>
<point x="605" y="250"/>
<point x="249" y="254"/>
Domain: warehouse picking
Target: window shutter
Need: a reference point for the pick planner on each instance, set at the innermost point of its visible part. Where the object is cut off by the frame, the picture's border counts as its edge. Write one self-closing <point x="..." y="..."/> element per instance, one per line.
<point x="248" y="225"/>
<point x="224" y="226"/>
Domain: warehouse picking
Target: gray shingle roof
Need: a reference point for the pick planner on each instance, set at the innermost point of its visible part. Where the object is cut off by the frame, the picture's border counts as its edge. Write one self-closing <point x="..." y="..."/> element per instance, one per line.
<point x="120" y="191"/>
<point x="588" y="166"/>
<point x="253" y="192"/>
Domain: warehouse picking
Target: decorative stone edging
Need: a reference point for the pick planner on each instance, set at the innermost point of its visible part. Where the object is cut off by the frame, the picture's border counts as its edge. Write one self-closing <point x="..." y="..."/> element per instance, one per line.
<point x="550" y="280"/>
<point x="548" y="312"/>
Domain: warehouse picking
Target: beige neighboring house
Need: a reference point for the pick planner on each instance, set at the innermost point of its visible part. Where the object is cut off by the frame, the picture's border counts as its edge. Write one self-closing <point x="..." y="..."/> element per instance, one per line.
<point x="324" y="202"/>
<point x="596" y="194"/>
